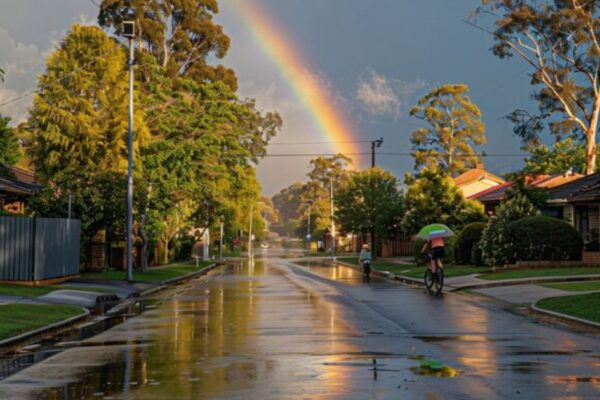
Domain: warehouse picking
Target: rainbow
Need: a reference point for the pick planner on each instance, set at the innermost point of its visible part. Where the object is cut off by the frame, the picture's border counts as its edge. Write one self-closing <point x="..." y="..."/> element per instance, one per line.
<point x="276" y="44"/>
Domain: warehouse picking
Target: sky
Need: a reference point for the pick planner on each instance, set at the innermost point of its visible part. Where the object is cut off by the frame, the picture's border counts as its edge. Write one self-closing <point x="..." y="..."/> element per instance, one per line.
<point x="370" y="60"/>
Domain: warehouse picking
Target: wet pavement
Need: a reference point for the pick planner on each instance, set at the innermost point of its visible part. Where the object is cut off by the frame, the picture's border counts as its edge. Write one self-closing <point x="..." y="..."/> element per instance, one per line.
<point x="273" y="329"/>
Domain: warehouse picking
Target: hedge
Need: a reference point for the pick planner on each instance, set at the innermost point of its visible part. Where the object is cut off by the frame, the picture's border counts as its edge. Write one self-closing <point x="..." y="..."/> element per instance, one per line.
<point x="466" y="240"/>
<point x="543" y="238"/>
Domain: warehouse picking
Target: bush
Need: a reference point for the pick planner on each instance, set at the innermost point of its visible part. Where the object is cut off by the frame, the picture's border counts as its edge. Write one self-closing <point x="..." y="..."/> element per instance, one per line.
<point x="543" y="238"/>
<point x="477" y="256"/>
<point x="420" y="259"/>
<point x="493" y="244"/>
<point x="468" y="238"/>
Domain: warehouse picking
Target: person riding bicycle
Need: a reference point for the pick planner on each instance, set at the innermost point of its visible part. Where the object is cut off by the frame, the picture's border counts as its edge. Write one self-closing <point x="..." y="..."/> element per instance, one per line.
<point x="437" y="252"/>
<point x="365" y="259"/>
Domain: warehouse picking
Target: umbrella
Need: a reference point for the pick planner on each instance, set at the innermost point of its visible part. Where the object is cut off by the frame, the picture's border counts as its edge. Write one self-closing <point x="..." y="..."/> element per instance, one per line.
<point x="435" y="231"/>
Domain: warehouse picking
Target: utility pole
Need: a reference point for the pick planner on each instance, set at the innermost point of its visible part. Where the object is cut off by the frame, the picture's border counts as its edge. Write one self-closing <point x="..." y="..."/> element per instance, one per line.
<point x="129" y="33"/>
<point x="375" y="144"/>
<point x="250" y="232"/>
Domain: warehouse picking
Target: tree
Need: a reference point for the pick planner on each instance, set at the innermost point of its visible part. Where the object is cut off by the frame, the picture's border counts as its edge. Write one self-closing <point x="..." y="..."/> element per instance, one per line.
<point x="78" y="120"/>
<point x="10" y="151"/>
<point x="370" y="202"/>
<point x="559" y="40"/>
<point x="288" y="203"/>
<point x="495" y="249"/>
<point x="455" y="127"/>
<point x="180" y="34"/>
<point x="565" y="155"/>
<point x="432" y="197"/>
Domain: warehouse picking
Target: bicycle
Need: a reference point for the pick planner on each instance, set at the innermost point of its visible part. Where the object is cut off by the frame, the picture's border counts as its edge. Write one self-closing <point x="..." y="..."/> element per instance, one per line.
<point x="432" y="279"/>
<point x="366" y="269"/>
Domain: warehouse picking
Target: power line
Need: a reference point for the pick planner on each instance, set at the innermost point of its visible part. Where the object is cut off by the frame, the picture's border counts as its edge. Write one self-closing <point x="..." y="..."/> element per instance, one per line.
<point x="325" y="142"/>
<point x="394" y="154"/>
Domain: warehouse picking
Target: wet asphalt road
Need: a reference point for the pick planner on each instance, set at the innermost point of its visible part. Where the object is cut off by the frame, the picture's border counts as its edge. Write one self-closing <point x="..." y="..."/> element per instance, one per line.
<point x="276" y="330"/>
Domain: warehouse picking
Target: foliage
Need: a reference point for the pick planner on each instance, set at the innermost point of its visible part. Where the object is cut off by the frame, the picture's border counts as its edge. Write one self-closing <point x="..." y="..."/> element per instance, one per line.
<point x="77" y="120"/>
<point x="97" y="200"/>
<point x="559" y="41"/>
<point x="466" y="240"/>
<point x="454" y="128"/>
<point x="433" y="198"/>
<point x="495" y="248"/>
<point x="543" y="238"/>
<point x="180" y="34"/>
<point x="370" y="202"/>
<point x="564" y="155"/>
<point x="288" y="203"/>
<point x="10" y="152"/>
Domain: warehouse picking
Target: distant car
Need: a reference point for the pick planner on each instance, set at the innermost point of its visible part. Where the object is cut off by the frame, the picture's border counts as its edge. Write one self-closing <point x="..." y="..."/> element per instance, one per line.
<point x="264" y="245"/>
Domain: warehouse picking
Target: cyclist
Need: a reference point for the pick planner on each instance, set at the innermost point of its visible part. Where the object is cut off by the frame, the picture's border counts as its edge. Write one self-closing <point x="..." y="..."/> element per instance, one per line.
<point x="437" y="253"/>
<point x="365" y="260"/>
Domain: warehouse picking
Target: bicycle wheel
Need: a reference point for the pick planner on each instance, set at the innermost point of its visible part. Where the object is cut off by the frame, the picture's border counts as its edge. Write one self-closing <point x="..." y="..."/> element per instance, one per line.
<point x="439" y="280"/>
<point x="428" y="279"/>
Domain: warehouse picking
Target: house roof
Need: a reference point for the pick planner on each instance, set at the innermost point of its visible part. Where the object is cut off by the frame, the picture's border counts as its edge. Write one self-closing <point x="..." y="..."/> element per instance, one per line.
<point x="474" y="175"/>
<point x="586" y="188"/>
<point x="498" y="193"/>
<point x="17" y="181"/>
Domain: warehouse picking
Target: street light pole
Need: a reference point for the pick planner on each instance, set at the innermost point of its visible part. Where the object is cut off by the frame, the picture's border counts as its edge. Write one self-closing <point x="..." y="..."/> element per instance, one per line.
<point x="332" y="218"/>
<point x="250" y="232"/>
<point x="221" y="240"/>
<point x="308" y="235"/>
<point x="129" y="32"/>
<point x="375" y="144"/>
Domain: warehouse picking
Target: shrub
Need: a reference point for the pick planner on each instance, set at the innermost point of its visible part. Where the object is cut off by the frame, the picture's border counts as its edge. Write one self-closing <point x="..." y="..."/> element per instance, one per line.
<point x="468" y="238"/>
<point x="448" y="256"/>
<point x="543" y="238"/>
<point x="493" y="244"/>
<point x="476" y="255"/>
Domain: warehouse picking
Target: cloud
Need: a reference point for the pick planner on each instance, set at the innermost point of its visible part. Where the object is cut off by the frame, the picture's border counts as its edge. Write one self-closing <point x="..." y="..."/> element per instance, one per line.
<point x="382" y="96"/>
<point x="21" y="63"/>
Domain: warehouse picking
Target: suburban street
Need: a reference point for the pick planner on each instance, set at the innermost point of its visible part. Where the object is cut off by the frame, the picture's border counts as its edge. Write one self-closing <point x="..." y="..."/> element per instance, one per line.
<point x="274" y="329"/>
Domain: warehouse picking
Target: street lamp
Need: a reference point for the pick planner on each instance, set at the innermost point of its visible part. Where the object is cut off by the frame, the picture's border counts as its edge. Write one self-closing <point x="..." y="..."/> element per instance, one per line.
<point x="129" y="33"/>
<point x="375" y="144"/>
<point x="330" y="171"/>
<point x="308" y="235"/>
<point x="222" y="220"/>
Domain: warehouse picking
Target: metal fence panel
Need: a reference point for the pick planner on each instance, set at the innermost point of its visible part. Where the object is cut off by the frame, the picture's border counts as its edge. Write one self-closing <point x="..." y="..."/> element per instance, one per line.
<point x="56" y="248"/>
<point x="38" y="249"/>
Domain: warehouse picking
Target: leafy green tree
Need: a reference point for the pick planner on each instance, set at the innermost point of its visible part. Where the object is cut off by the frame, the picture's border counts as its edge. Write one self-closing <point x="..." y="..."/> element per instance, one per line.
<point x="10" y="151"/>
<point x="559" y="40"/>
<point x="370" y="202"/>
<point x="432" y="197"/>
<point x="288" y="203"/>
<point x="454" y="129"/>
<point x="78" y="120"/>
<point x="494" y="247"/>
<point x="563" y="156"/>
<point x="180" y="34"/>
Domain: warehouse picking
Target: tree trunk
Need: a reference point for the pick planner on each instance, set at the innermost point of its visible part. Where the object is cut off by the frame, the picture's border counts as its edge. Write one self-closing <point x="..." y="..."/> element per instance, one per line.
<point x="373" y="244"/>
<point x="590" y="166"/>
<point x="166" y="256"/>
<point x="144" y="247"/>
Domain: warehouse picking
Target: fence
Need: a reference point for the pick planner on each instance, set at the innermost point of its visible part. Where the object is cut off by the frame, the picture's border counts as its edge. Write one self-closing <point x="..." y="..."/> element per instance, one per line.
<point x="38" y="249"/>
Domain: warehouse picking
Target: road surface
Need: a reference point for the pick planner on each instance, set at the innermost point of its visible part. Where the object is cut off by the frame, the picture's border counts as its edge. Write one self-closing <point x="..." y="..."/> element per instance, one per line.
<point x="273" y="329"/>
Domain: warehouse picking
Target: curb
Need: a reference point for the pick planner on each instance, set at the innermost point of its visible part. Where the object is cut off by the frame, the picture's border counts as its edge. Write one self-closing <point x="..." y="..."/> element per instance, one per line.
<point x="564" y="317"/>
<point x="164" y="284"/>
<point x="387" y="274"/>
<point x="44" y="329"/>
<point x="526" y="281"/>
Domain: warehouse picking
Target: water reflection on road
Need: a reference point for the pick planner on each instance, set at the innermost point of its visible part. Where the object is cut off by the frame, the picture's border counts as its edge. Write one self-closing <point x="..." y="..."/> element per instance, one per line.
<point x="273" y="330"/>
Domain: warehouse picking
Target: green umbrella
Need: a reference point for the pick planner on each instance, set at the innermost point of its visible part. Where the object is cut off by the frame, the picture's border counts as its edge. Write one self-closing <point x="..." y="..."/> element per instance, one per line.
<point x="435" y="231"/>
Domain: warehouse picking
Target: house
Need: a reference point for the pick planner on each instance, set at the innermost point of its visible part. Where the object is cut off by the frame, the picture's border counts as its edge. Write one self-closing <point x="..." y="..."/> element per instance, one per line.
<point x="578" y="202"/>
<point x="492" y="197"/>
<point x="476" y="180"/>
<point x="16" y="185"/>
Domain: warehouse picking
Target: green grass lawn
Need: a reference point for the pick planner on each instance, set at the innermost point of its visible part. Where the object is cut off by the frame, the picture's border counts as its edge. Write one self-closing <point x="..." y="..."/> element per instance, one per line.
<point x="416" y="271"/>
<point x="153" y="275"/>
<point x="586" y="306"/>
<point x="539" y="272"/>
<point x="18" y="318"/>
<point x="574" y="286"/>
<point x="35" y="291"/>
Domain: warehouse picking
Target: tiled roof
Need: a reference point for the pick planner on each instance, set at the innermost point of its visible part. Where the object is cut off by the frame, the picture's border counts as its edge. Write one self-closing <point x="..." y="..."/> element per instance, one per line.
<point x="18" y="181"/>
<point x="474" y="175"/>
<point x="583" y="189"/>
